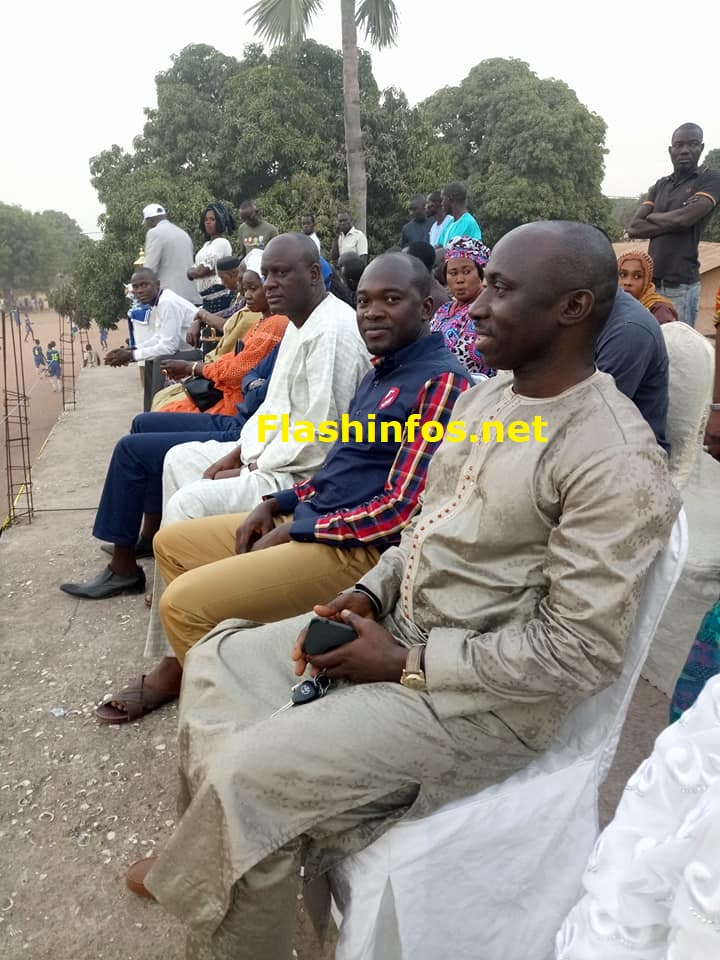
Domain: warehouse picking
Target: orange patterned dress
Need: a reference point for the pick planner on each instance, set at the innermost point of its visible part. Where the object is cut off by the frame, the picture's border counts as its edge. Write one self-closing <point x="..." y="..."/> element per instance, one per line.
<point x="228" y="370"/>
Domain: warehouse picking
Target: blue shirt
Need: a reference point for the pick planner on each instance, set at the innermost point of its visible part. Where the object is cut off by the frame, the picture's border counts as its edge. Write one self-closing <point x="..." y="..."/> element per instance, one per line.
<point x="632" y="349"/>
<point x="254" y="397"/>
<point x="466" y="226"/>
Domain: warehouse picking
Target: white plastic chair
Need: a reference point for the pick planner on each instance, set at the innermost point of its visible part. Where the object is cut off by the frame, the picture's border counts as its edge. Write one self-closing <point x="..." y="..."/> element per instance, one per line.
<point x="493" y="876"/>
<point x="691" y="369"/>
<point x="697" y="476"/>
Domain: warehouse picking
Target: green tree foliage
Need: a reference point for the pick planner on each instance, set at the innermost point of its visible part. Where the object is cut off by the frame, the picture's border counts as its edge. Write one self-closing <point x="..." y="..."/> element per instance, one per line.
<point x="270" y="126"/>
<point x="527" y="147"/>
<point x="34" y="249"/>
<point x="622" y="210"/>
<point x="287" y="22"/>
<point x="227" y="130"/>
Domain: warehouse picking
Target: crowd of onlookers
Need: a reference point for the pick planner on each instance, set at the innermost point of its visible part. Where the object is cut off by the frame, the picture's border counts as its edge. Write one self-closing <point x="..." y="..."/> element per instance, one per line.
<point x="469" y="593"/>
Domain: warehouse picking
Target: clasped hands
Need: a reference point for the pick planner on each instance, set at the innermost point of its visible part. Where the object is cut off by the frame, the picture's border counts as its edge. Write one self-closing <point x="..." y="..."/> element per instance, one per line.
<point x="119" y="357"/>
<point x="373" y="657"/>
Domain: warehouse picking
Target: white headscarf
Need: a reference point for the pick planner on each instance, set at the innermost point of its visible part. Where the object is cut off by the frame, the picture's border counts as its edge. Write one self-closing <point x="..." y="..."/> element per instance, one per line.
<point x="253" y="261"/>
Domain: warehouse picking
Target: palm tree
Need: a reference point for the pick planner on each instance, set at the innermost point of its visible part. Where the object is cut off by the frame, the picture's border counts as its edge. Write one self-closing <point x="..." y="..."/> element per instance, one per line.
<point x="286" y="21"/>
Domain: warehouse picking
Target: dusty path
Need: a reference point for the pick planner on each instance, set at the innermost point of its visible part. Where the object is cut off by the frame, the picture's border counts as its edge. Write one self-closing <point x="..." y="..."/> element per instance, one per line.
<point x="79" y="801"/>
<point x="45" y="405"/>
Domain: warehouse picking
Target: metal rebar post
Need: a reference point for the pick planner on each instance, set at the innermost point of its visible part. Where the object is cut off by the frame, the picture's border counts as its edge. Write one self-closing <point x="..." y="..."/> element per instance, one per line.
<point x="16" y="422"/>
<point x="67" y="350"/>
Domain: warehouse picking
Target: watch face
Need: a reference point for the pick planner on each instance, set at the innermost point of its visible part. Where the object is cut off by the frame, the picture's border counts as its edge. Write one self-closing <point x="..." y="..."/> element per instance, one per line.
<point x="414" y="681"/>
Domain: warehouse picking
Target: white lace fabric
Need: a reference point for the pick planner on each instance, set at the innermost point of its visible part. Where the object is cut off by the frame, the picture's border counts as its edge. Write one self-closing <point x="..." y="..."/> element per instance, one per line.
<point x="653" y="880"/>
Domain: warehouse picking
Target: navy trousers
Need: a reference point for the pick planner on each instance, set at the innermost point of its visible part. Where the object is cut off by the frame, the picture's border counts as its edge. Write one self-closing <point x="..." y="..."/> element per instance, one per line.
<point x="133" y="484"/>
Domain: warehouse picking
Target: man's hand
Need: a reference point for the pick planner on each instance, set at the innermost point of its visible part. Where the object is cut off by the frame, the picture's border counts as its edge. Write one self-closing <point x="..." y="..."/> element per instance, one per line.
<point x="373" y="657"/>
<point x="120" y="357"/>
<point x="274" y="538"/>
<point x="257" y="523"/>
<point x="231" y="461"/>
<point x="353" y="600"/>
<point x="712" y="434"/>
<point x="193" y="334"/>
<point x="177" y="369"/>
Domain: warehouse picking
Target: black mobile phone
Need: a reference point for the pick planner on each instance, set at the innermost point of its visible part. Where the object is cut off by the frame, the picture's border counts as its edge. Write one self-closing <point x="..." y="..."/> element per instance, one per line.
<point x="325" y="635"/>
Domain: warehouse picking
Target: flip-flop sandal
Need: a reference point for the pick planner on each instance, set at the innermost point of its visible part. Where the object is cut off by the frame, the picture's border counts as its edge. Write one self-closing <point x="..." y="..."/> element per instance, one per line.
<point x="137" y="700"/>
<point x="135" y="877"/>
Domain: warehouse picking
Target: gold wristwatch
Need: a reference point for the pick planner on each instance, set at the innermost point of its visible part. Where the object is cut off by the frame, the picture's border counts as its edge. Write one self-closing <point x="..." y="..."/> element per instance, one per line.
<point x="413" y="676"/>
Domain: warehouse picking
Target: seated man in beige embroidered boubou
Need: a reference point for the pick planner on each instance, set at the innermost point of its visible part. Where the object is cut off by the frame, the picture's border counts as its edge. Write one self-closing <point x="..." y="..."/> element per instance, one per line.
<point x="509" y="600"/>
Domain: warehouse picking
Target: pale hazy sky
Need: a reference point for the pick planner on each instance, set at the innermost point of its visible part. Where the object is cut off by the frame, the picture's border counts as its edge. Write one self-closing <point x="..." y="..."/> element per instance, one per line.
<point x="76" y="75"/>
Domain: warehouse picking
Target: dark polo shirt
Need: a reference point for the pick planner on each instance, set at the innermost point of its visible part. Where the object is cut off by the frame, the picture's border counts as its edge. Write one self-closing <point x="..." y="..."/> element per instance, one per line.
<point x="675" y="254"/>
<point x="631" y="347"/>
<point x="415" y="231"/>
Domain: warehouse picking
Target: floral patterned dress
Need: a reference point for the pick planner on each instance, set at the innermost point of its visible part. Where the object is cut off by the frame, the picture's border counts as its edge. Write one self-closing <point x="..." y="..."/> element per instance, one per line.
<point x="452" y="320"/>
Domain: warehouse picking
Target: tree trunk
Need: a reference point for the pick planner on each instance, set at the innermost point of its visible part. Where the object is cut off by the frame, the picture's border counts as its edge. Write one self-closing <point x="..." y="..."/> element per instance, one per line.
<point x="355" y="157"/>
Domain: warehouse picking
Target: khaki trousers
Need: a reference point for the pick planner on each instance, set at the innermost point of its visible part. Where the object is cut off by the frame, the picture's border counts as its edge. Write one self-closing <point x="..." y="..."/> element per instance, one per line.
<point x="208" y="583"/>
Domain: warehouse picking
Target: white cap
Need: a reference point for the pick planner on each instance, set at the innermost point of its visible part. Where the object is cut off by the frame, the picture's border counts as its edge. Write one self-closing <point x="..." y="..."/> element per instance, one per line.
<point x="153" y="210"/>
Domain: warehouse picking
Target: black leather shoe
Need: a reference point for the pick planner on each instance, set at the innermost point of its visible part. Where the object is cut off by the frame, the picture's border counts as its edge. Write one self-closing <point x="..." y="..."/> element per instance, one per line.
<point x="143" y="548"/>
<point x="106" y="584"/>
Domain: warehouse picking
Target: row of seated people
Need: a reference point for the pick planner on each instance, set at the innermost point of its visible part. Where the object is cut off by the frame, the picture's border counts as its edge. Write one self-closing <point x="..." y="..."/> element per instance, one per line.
<point x="480" y="621"/>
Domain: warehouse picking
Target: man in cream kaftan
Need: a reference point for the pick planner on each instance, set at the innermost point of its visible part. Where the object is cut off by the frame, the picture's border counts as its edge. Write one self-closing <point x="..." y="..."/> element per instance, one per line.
<point x="522" y="574"/>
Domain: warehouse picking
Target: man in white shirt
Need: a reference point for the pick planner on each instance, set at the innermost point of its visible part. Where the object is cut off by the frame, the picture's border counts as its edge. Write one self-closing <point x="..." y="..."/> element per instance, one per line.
<point x="434" y="211"/>
<point x="169" y="253"/>
<point x="350" y="239"/>
<point x="169" y="320"/>
<point x="321" y="361"/>
<point x="307" y="225"/>
<point x="318" y="368"/>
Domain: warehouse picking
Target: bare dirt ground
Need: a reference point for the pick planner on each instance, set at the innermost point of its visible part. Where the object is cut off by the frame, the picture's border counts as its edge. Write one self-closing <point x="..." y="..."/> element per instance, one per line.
<point x="80" y="801"/>
<point x="45" y="405"/>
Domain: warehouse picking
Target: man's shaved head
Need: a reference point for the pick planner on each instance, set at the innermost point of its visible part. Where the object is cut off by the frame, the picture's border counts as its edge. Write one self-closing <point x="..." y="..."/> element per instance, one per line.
<point x="405" y="266"/>
<point x="394" y="306"/>
<point x="550" y="288"/>
<point x="689" y="128"/>
<point x="575" y="256"/>
<point x="298" y="245"/>
<point x="293" y="278"/>
<point x="686" y="147"/>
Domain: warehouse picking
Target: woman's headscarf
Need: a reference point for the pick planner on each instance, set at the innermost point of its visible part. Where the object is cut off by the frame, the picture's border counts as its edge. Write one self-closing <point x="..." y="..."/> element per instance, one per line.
<point x="224" y="218"/>
<point x="469" y="249"/>
<point x="649" y="297"/>
<point x="253" y="262"/>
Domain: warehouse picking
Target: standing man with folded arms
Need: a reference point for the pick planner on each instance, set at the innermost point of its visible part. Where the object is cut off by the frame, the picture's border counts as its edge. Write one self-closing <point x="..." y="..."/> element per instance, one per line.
<point x="673" y="218"/>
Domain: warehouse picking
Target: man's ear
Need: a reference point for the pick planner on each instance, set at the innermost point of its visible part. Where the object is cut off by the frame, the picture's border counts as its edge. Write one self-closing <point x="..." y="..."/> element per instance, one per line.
<point x="576" y="307"/>
<point x="427" y="309"/>
<point x="316" y="273"/>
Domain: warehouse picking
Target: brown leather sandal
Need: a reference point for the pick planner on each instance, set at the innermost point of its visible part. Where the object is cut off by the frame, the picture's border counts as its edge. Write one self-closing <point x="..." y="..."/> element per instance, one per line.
<point x="138" y="701"/>
<point x="135" y="877"/>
